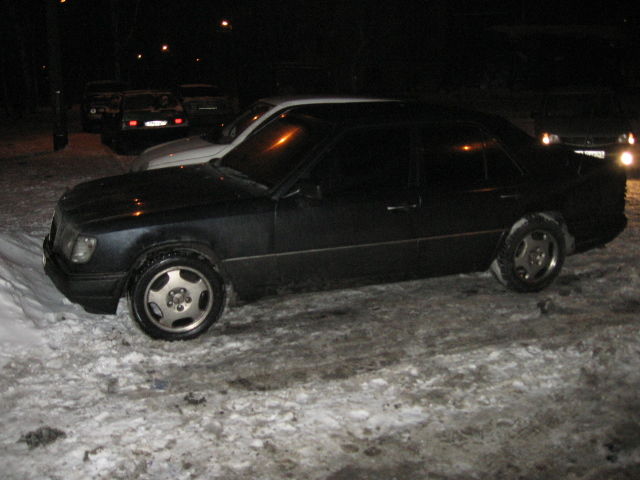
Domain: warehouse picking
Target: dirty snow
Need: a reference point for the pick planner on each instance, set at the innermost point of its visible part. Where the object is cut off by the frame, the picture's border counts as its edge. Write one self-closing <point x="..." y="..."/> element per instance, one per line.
<point x="449" y="378"/>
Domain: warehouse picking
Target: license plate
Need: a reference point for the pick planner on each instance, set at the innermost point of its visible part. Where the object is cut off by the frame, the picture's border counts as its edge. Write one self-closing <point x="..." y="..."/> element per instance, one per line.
<point x="592" y="153"/>
<point x="155" y="123"/>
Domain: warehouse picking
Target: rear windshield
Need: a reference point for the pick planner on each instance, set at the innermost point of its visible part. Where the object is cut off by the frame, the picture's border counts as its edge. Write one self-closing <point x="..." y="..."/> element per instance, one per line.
<point x="149" y="101"/>
<point x="510" y="134"/>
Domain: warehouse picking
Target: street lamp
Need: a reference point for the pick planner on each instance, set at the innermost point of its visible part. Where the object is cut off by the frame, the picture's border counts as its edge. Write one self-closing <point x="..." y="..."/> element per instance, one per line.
<point x="164" y="48"/>
<point x="225" y="24"/>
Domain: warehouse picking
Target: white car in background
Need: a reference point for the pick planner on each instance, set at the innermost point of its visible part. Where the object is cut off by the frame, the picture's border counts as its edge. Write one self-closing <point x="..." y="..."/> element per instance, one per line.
<point x="201" y="149"/>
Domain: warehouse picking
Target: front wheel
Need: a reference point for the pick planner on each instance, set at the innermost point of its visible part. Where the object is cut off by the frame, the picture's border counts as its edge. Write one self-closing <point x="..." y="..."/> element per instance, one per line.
<point x="532" y="255"/>
<point x="176" y="297"/>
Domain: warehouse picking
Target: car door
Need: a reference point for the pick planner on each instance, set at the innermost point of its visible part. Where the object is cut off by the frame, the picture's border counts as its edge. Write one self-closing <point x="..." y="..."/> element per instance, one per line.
<point x="470" y="192"/>
<point x="357" y="222"/>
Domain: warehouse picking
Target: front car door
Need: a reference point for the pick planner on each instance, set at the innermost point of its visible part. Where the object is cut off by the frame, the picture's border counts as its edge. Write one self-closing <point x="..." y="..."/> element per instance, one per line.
<point x="358" y="224"/>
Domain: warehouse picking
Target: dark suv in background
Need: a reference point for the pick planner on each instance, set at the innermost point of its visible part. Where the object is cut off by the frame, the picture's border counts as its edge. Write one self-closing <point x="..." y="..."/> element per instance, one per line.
<point x="97" y="97"/>
<point x="590" y="121"/>
<point x="205" y="104"/>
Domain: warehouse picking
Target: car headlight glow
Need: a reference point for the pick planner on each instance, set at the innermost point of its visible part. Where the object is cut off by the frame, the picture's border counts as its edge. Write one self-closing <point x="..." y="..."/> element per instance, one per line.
<point x="626" y="158"/>
<point x="628" y="138"/>
<point x="549" y="138"/>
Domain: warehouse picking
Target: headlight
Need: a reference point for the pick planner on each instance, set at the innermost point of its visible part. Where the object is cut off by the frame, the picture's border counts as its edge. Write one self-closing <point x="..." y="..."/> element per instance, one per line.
<point x="83" y="249"/>
<point x="549" y="138"/>
<point x="626" y="158"/>
<point x="628" y="138"/>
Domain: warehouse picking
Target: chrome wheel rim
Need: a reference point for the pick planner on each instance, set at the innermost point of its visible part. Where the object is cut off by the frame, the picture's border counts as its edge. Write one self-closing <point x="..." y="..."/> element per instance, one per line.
<point x="536" y="256"/>
<point x="178" y="299"/>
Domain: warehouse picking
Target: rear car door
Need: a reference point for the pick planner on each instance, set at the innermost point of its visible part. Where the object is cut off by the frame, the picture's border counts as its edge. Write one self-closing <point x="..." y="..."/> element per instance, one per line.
<point x="359" y="224"/>
<point x="470" y="191"/>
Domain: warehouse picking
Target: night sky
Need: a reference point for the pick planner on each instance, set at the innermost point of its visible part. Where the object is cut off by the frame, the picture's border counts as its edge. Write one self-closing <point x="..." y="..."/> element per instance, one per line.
<point x="356" y="45"/>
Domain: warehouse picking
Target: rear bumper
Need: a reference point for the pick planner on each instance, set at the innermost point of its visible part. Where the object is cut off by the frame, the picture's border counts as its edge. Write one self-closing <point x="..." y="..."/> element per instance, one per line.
<point x="154" y="134"/>
<point x="96" y="293"/>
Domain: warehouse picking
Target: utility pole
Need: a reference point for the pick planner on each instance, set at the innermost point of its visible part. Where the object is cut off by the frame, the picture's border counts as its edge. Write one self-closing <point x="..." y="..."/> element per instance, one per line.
<point x="60" y="136"/>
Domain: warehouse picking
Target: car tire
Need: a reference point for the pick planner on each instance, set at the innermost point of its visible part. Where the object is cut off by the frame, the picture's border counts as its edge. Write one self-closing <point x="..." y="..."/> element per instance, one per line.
<point x="532" y="255"/>
<point x="176" y="297"/>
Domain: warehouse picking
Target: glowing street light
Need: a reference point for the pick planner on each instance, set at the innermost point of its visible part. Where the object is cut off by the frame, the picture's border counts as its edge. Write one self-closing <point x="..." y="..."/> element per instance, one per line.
<point x="164" y="48"/>
<point x="226" y="24"/>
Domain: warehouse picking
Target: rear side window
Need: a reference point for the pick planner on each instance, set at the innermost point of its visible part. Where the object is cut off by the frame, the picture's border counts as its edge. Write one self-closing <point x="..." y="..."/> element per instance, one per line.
<point x="368" y="160"/>
<point x="462" y="155"/>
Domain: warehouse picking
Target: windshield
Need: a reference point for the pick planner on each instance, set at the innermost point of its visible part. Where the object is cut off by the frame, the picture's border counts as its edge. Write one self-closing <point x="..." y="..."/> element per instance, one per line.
<point x="582" y="105"/>
<point x="149" y="101"/>
<point x="269" y="155"/>
<point x="199" y="91"/>
<point x="239" y="125"/>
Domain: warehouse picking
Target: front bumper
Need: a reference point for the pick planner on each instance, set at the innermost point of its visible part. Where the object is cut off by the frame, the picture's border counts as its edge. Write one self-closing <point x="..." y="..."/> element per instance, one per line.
<point x="615" y="154"/>
<point x="96" y="292"/>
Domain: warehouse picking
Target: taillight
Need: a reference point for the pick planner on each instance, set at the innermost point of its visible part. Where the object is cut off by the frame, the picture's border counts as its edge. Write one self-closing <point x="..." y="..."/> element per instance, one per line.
<point x="133" y="123"/>
<point x="178" y="121"/>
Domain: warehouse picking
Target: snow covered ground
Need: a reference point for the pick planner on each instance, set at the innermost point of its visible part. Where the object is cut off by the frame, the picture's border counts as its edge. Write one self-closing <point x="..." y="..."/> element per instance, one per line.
<point x="449" y="378"/>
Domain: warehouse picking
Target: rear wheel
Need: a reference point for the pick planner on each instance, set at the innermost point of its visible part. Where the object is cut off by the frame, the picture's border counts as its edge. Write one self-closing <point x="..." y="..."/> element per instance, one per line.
<point x="176" y="297"/>
<point x="532" y="255"/>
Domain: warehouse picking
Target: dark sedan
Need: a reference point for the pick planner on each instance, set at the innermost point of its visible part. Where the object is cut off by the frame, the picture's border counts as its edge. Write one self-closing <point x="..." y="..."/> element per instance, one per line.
<point x="97" y="98"/>
<point x="367" y="191"/>
<point x="141" y="118"/>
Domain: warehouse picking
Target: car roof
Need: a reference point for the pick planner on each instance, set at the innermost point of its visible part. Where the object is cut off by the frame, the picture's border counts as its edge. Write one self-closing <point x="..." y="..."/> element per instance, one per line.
<point x="386" y="112"/>
<point x="148" y="92"/>
<point x="294" y="100"/>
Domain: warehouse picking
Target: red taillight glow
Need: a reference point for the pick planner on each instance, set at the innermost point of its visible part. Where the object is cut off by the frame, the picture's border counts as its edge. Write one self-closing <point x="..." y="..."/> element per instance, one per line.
<point x="178" y="121"/>
<point x="133" y="123"/>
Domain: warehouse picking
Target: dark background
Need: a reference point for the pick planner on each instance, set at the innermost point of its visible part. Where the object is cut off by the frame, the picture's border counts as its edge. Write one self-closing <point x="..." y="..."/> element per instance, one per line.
<point x="283" y="46"/>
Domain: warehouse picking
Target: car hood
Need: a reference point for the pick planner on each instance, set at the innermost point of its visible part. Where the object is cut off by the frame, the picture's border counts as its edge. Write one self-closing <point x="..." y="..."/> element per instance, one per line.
<point x="178" y="152"/>
<point x="140" y="194"/>
<point x="580" y="126"/>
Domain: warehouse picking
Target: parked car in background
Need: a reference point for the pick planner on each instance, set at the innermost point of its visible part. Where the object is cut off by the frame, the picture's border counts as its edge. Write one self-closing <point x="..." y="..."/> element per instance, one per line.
<point x="378" y="191"/>
<point x="141" y="118"/>
<point x="97" y="97"/>
<point x="589" y="121"/>
<point x="205" y="104"/>
<point x="217" y="142"/>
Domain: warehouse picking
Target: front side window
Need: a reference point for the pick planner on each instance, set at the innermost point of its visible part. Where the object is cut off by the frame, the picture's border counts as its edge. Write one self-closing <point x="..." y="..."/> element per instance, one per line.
<point x="366" y="160"/>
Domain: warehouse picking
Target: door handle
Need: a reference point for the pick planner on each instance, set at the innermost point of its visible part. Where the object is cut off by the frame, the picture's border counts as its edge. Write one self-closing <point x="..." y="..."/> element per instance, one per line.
<point x="406" y="207"/>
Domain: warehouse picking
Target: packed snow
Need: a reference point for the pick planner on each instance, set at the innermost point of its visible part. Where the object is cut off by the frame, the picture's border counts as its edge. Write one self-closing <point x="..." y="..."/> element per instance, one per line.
<point x="447" y="378"/>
